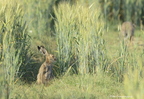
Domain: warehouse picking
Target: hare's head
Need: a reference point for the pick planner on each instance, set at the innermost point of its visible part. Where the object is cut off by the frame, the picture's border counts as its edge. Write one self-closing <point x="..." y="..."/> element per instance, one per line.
<point x="42" y="50"/>
<point x="51" y="58"/>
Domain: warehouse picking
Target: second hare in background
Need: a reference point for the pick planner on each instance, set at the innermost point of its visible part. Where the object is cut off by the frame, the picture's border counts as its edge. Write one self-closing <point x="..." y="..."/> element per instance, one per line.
<point x="127" y="30"/>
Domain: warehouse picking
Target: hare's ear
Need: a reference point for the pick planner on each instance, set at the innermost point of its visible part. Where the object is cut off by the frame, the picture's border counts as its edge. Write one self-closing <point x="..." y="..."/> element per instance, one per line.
<point x="42" y="49"/>
<point x="38" y="47"/>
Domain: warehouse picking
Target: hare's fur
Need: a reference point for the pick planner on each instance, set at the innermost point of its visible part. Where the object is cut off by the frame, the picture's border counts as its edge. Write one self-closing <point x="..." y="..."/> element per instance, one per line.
<point x="127" y="30"/>
<point x="45" y="71"/>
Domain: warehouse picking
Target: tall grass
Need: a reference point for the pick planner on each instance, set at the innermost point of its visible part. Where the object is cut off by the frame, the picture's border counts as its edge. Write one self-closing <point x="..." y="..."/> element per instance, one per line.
<point x="79" y="34"/>
<point x="128" y="58"/>
<point x="14" y="43"/>
<point x="38" y="15"/>
<point x="133" y="82"/>
<point x="122" y="10"/>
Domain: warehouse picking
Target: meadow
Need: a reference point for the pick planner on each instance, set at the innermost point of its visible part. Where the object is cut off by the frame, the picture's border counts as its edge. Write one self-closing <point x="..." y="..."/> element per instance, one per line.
<point x="93" y="62"/>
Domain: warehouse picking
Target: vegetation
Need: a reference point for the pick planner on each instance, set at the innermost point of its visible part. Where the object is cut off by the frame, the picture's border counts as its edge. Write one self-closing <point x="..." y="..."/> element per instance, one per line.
<point x="92" y="62"/>
<point x="79" y="34"/>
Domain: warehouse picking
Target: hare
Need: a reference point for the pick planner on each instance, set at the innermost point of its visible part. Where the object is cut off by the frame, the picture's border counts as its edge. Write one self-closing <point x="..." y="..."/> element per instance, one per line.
<point x="127" y="30"/>
<point x="45" y="71"/>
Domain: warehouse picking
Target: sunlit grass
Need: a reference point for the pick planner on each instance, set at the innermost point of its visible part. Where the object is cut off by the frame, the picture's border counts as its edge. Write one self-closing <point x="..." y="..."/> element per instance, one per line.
<point x="69" y="87"/>
<point x="79" y="35"/>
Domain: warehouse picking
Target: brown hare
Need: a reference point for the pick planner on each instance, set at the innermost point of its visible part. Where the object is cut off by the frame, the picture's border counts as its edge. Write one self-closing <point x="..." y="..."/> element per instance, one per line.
<point x="45" y="71"/>
<point x="127" y="30"/>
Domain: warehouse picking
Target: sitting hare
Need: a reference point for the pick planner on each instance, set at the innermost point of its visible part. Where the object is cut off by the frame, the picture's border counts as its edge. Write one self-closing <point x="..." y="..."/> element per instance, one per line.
<point x="45" y="71"/>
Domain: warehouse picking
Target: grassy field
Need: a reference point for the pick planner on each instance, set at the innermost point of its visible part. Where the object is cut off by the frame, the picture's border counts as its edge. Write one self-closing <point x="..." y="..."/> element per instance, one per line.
<point x="89" y="86"/>
<point x="71" y="87"/>
<point x="92" y="61"/>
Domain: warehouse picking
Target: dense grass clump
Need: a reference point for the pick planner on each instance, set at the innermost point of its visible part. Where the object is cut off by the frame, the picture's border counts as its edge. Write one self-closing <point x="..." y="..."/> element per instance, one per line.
<point x="79" y="34"/>
<point x="14" y="45"/>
